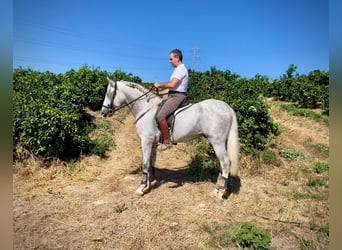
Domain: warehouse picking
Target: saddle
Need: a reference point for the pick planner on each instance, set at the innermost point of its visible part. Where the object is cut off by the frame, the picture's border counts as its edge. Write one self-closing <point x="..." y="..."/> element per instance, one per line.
<point x="171" y="118"/>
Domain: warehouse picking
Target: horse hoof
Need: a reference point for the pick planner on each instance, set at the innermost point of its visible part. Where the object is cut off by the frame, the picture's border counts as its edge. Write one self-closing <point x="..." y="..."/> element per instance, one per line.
<point x="215" y="192"/>
<point x="153" y="183"/>
<point x="220" y="193"/>
<point x="142" y="189"/>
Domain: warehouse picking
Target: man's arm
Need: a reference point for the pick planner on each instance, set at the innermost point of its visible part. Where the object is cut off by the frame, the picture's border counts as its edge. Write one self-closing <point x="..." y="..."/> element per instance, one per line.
<point x="168" y="85"/>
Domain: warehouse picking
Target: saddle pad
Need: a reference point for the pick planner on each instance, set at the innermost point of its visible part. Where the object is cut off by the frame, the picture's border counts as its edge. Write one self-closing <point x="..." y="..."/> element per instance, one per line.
<point x="181" y="109"/>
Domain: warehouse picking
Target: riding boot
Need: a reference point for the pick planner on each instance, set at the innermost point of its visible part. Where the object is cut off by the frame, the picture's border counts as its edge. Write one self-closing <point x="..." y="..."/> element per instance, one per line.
<point x="165" y="134"/>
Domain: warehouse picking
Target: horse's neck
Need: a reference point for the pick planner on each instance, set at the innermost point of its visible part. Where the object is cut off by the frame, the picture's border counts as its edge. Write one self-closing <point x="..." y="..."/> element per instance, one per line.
<point x="142" y="105"/>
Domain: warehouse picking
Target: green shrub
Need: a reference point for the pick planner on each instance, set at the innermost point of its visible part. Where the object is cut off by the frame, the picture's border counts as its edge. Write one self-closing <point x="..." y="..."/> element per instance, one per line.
<point x="315" y="182"/>
<point x="297" y="111"/>
<point x="245" y="236"/>
<point x="121" y="208"/>
<point x="102" y="138"/>
<point x="87" y="86"/>
<point x="321" y="167"/>
<point x="307" y="244"/>
<point x="204" y="165"/>
<point x="325" y="229"/>
<point x="269" y="156"/>
<point x="307" y="91"/>
<point x="244" y="96"/>
<point x="48" y="111"/>
<point x="251" y="237"/>
<point x="45" y="120"/>
<point x="290" y="154"/>
<point x="203" y="169"/>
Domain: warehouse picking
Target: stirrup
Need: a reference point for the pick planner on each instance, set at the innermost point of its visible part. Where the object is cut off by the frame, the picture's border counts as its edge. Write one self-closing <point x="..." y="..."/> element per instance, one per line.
<point x="163" y="147"/>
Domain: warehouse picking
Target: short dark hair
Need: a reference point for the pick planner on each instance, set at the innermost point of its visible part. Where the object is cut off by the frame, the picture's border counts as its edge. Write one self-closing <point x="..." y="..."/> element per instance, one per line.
<point x="177" y="53"/>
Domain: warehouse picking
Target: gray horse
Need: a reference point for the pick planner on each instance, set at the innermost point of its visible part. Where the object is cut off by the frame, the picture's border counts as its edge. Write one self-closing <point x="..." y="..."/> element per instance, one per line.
<point x="214" y="119"/>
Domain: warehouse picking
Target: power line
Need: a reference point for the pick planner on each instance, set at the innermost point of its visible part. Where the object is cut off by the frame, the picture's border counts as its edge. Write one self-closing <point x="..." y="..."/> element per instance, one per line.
<point x="89" y="36"/>
<point x="43" y="61"/>
<point x="98" y="51"/>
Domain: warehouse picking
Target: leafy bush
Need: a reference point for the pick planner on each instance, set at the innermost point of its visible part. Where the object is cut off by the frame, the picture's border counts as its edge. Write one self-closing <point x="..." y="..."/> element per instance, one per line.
<point x="307" y="244"/>
<point x="315" y="182"/>
<point x="121" y="208"/>
<point x="269" y="156"/>
<point x="45" y="120"/>
<point x="102" y="138"/>
<point x="251" y="237"/>
<point x="321" y="167"/>
<point x="244" y="96"/>
<point x="204" y="165"/>
<point x="297" y="111"/>
<point x="86" y="87"/>
<point x="245" y="236"/>
<point x="307" y="91"/>
<point x="48" y="111"/>
<point x="290" y="154"/>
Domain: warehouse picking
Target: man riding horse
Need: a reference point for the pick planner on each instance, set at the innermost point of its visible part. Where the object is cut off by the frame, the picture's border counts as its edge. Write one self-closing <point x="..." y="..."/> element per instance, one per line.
<point x="176" y="89"/>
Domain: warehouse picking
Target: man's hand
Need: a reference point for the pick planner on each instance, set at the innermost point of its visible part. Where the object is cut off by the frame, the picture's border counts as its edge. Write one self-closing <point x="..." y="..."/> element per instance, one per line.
<point x="157" y="85"/>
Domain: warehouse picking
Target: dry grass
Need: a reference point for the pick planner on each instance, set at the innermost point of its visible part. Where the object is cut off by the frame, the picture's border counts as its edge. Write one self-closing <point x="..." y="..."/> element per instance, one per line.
<point x="94" y="206"/>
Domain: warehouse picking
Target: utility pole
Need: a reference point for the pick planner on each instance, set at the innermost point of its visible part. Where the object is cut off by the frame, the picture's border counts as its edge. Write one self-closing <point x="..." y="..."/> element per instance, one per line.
<point x="194" y="58"/>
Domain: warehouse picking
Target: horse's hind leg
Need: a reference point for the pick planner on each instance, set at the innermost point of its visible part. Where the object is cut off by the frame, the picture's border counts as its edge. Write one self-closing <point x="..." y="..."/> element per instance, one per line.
<point x="221" y="188"/>
<point x="222" y="180"/>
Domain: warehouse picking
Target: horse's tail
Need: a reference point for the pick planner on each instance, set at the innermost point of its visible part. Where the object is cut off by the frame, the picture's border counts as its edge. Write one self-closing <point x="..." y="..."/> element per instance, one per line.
<point x="233" y="147"/>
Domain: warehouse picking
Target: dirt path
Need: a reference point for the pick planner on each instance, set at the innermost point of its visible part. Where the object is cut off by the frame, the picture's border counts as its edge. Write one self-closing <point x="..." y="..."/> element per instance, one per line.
<point x="96" y="206"/>
<point x="299" y="129"/>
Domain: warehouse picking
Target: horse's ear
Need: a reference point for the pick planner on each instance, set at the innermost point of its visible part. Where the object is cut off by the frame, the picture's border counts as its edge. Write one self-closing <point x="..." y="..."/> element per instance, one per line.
<point x="112" y="83"/>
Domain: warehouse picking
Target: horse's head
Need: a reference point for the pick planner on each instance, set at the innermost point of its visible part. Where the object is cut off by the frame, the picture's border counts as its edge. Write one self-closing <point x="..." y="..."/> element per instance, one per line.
<point x="112" y="99"/>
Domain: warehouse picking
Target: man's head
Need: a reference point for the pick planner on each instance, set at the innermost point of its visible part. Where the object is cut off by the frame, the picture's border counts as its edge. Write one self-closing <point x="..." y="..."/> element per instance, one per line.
<point x="176" y="57"/>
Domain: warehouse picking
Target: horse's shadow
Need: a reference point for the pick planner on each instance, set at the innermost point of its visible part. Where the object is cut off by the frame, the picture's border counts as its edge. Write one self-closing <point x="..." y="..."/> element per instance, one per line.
<point x="193" y="173"/>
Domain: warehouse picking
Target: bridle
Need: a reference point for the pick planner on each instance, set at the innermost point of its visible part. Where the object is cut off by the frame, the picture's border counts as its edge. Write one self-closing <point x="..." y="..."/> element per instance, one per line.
<point x="110" y="106"/>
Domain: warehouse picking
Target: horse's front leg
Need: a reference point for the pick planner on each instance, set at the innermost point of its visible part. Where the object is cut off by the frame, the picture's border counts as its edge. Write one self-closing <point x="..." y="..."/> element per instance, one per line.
<point x="153" y="158"/>
<point x="149" y="157"/>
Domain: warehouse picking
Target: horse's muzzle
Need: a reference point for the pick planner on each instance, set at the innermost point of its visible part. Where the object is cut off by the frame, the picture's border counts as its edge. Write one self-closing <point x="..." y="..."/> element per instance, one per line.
<point x="106" y="112"/>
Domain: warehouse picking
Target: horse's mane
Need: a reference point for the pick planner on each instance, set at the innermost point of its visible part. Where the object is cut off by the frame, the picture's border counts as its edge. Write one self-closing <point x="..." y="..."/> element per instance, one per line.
<point x="136" y="86"/>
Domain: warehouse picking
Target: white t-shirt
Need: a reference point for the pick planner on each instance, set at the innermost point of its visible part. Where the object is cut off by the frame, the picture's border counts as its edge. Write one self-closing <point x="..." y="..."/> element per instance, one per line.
<point x="181" y="73"/>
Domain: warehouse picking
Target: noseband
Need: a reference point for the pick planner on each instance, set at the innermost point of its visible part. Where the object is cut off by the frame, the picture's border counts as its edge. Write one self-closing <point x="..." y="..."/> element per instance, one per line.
<point x="110" y="106"/>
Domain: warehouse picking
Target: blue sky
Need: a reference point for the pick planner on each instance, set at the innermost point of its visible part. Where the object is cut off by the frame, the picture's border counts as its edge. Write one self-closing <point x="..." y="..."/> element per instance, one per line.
<point x="247" y="37"/>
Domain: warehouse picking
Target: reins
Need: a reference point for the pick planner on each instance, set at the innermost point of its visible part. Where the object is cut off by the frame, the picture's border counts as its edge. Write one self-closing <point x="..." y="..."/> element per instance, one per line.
<point x="111" y="111"/>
